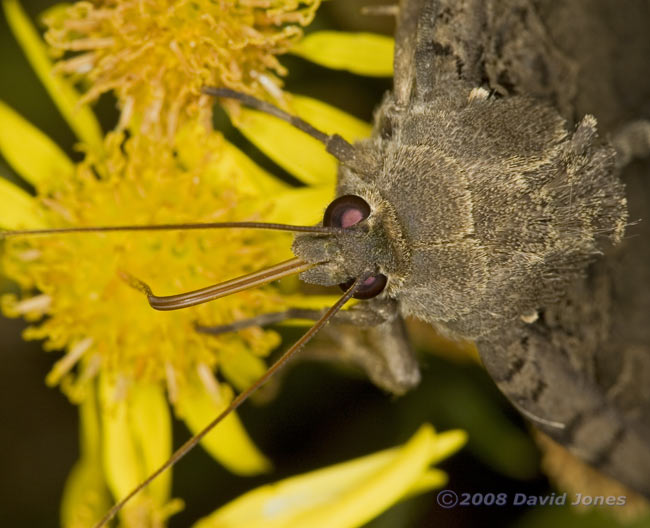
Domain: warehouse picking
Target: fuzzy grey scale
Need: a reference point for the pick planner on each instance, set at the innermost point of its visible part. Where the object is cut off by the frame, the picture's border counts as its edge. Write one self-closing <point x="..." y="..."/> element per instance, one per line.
<point x="493" y="193"/>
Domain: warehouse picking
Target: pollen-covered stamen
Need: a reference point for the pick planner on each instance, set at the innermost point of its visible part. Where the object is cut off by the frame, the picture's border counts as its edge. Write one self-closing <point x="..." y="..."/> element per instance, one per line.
<point x="65" y="364"/>
<point x="158" y="61"/>
<point x="36" y="304"/>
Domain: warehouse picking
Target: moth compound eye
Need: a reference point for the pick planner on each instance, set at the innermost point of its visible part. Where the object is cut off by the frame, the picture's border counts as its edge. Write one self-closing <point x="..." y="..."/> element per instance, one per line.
<point x="370" y="288"/>
<point x="346" y="211"/>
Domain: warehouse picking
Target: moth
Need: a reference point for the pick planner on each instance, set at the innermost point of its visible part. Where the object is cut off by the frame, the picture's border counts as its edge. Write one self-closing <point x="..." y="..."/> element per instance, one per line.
<point x="479" y="207"/>
<point x="487" y="204"/>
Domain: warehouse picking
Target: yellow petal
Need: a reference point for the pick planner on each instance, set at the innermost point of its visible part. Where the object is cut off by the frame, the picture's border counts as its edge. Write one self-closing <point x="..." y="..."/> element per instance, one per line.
<point x="448" y="443"/>
<point x="302" y="206"/>
<point x="125" y="460"/>
<point x="249" y="175"/>
<point x="19" y="210"/>
<point x="240" y="367"/>
<point x="80" y="118"/>
<point x="430" y="479"/>
<point x="330" y="119"/>
<point x="90" y="427"/>
<point x="227" y="162"/>
<point x="345" y="495"/>
<point x="152" y="428"/>
<point x="85" y="495"/>
<point x="363" y="53"/>
<point x="31" y="153"/>
<point x="295" y="151"/>
<point x="384" y="488"/>
<point x="228" y="443"/>
<point x="122" y="466"/>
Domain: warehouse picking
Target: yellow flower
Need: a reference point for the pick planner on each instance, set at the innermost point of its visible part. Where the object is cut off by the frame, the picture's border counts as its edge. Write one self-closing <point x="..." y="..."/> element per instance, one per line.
<point x="109" y="328"/>
<point x="157" y="55"/>
<point x="139" y="183"/>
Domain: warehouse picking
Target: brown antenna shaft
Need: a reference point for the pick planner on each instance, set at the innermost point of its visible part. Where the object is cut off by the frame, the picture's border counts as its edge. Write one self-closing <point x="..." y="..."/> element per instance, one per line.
<point x="334" y="144"/>
<point x="235" y="403"/>
<point x="170" y="227"/>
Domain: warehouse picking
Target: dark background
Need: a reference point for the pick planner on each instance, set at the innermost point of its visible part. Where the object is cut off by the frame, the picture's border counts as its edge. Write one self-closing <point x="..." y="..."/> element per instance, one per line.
<point x="322" y="414"/>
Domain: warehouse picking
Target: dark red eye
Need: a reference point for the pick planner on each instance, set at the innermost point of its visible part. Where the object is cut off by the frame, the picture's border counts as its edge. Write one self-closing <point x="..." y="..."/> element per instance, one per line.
<point x="346" y="211"/>
<point x="372" y="286"/>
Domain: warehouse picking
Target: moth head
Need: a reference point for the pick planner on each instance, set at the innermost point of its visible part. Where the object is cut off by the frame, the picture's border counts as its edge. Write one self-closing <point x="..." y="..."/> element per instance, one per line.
<point x="356" y="246"/>
<point x="361" y="247"/>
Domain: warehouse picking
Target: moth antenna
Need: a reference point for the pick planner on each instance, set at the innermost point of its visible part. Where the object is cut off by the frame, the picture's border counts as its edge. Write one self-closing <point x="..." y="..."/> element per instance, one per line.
<point x="222" y="289"/>
<point x="334" y="144"/>
<point x="171" y="227"/>
<point x="236" y="402"/>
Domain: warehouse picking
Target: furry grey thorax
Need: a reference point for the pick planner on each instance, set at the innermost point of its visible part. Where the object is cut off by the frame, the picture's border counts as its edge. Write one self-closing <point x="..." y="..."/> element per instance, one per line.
<point x="483" y="209"/>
